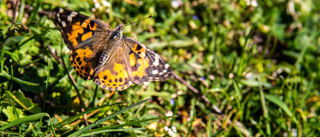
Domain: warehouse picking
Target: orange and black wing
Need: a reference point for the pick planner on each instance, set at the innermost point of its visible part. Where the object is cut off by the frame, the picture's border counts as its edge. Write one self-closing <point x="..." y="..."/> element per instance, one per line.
<point x="144" y="64"/>
<point x="82" y="35"/>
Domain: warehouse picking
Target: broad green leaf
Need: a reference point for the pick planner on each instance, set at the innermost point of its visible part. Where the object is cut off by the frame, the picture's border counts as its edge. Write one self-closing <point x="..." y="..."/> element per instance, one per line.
<point x="26" y="103"/>
<point x="11" y="114"/>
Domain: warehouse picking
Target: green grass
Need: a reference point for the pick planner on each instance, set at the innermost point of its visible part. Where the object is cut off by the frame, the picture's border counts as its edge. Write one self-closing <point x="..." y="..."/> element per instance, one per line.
<point x="256" y="70"/>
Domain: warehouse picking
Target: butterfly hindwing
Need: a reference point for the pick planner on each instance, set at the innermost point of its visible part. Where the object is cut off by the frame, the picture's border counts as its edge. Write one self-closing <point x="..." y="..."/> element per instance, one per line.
<point x="146" y="65"/>
<point x="113" y="74"/>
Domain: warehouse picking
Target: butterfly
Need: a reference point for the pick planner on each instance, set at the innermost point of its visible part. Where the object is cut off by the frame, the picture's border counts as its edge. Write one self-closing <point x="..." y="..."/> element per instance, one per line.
<point x="102" y="54"/>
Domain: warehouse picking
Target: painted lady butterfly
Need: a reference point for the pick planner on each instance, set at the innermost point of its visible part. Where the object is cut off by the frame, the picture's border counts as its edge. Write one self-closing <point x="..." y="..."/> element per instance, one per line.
<point x="112" y="60"/>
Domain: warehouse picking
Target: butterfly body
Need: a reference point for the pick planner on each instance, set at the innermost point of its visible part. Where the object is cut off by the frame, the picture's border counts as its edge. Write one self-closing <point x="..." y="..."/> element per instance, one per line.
<point x="98" y="52"/>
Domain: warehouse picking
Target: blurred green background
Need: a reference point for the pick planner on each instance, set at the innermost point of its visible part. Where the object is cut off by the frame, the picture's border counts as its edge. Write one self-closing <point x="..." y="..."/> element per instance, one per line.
<point x="255" y="64"/>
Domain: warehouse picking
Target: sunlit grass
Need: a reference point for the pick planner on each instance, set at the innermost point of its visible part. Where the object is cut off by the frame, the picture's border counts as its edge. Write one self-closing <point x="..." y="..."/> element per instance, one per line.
<point x="255" y="65"/>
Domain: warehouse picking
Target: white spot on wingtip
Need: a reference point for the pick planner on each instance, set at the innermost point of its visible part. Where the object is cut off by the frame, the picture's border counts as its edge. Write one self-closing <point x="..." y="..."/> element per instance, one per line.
<point x="156" y="62"/>
<point x="166" y="66"/>
<point x="73" y="14"/>
<point x="69" y="18"/>
<point x="155" y="72"/>
<point x="63" y="24"/>
<point x="61" y="10"/>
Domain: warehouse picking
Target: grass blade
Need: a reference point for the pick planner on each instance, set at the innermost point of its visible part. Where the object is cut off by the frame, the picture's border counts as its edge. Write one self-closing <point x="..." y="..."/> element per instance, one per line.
<point x="110" y="130"/>
<point x="18" y="80"/>
<point x="279" y="103"/>
<point x="210" y="126"/>
<point x="24" y="120"/>
<point x="78" y="133"/>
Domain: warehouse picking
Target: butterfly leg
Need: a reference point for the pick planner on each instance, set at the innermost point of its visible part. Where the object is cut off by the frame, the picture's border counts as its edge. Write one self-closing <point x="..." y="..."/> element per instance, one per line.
<point x="111" y="94"/>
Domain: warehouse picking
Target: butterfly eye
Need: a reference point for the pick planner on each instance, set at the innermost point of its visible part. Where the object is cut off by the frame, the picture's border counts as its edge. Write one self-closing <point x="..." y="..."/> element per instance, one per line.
<point x="115" y="35"/>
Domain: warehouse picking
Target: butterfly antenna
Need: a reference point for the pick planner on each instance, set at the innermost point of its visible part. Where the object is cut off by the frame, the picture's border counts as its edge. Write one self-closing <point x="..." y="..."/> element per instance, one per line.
<point x="114" y="10"/>
<point x="140" y="20"/>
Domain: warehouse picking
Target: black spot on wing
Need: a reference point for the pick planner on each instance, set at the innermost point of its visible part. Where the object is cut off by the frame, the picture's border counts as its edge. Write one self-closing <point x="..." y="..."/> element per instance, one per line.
<point x="138" y="47"/>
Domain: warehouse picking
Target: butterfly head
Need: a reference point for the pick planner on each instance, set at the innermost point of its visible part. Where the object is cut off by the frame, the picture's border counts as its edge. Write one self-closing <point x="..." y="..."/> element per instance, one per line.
<point x="117" y="32"/>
